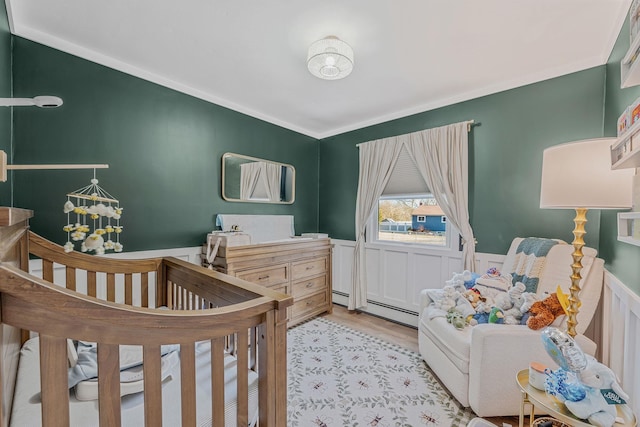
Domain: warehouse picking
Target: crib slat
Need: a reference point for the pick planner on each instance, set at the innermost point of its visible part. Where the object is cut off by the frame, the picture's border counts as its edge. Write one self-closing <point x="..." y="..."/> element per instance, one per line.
<point x="55" y="391"/>
<point x="109" y="384"/>
<point x="217" y="380"/>
<point x="253" y="348"/>
<point x="144" y="289"/>
<point x="47" y="270"/>
<point x="111" y="287"/>
<point x="128" y="289"/>
<point x="188" y="384"/>
<point x="71" y="278"/>
<point x="243" y="378"/>
<point x="91" y="284"/>
<point x="152" y="386"/>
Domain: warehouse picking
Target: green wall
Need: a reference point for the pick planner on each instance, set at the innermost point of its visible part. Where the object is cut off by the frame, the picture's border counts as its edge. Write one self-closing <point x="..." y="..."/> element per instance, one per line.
<point x="164" y="151"/>
<point x="504" y="164"/>
<point x="621" y="258"/>
<point x="5" y="92"/>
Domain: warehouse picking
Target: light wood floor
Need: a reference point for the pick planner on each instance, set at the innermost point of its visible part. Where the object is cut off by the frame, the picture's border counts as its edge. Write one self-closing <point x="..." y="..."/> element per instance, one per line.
<point x="391" y="332"/>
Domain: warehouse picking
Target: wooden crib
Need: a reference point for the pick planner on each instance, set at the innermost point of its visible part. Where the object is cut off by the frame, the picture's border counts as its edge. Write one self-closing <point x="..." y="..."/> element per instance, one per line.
<point x="115" y="302"/>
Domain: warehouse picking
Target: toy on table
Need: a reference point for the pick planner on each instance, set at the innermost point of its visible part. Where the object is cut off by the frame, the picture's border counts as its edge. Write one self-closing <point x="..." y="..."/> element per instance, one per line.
<point x="588" y="388"/>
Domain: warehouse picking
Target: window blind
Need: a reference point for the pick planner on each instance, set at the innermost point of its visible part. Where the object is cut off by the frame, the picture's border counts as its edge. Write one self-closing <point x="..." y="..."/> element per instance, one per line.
<point x="405" y="178"/>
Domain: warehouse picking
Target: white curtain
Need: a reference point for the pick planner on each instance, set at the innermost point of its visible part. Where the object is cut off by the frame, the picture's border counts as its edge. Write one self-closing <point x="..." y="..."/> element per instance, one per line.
<point x="272" y="178"/>
<point x="249" y="178"/>
<point x="377" y="159"/>
<point x="441" y="155"/>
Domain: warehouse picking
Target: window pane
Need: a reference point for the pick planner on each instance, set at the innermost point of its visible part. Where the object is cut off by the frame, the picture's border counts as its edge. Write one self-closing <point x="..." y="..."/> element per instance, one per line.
<point x="411" y="220"/>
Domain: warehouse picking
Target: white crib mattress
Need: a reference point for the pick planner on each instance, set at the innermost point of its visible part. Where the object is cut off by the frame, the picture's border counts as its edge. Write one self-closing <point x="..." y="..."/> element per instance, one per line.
<point x="27" y="407"/>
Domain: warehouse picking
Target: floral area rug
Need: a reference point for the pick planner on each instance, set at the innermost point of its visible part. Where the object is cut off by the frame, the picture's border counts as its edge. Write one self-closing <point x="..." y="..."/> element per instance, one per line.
<point x="341" y="377"/>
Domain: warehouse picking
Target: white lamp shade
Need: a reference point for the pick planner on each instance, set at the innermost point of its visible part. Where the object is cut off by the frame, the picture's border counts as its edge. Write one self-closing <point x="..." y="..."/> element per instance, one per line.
<point x="578" y="175"/>
<point x="330" y="58"/>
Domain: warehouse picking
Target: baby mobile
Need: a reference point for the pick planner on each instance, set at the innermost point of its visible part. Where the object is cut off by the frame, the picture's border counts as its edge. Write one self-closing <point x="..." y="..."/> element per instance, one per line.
<point x="93" y="220"/>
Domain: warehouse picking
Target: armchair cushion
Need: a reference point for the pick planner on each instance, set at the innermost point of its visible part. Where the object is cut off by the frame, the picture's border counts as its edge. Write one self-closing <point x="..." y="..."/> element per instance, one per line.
<point x="453" y="343"/>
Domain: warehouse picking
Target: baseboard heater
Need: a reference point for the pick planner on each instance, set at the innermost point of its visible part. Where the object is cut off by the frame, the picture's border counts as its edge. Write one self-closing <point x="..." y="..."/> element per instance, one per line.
<point x="386" y="307"/>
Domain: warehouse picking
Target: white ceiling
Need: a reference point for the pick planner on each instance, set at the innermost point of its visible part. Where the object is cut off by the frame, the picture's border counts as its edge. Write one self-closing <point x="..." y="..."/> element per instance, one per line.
<point x="410" y="55"/>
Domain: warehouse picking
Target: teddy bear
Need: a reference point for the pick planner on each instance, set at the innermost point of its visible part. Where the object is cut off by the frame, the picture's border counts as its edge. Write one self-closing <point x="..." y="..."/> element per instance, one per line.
<point x="473" y="296"/>
<point x="542" y="313"/>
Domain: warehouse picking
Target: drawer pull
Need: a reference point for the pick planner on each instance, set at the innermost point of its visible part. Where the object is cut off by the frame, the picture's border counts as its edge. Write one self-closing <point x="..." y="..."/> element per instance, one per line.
<point x="263" y="277"/>
<point x="309" y="267"/>
<point x="310" y="284"/>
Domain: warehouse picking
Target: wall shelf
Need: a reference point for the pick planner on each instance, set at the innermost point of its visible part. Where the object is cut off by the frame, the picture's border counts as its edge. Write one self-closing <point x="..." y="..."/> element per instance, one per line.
<point x="628" y="229"/>
<point x="630" y="70"/>
<point x="624" y="152"/>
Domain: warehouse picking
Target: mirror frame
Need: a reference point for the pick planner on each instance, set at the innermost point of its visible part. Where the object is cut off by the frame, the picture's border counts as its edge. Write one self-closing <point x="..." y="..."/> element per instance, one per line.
<point x="256" y="159"/>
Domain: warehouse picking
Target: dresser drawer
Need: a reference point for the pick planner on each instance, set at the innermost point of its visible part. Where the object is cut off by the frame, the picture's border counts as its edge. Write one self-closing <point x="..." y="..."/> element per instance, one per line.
<point x="306" y="287"/>
<point x="315" y="302"/>
<point x="266" y="276"/>
<point x="308" y="268"/>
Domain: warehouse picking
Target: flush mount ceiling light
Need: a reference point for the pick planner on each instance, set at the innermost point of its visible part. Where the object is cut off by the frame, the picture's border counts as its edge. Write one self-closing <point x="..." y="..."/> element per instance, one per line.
<point x="38" y="101"/>
<point x="330" y="58"/>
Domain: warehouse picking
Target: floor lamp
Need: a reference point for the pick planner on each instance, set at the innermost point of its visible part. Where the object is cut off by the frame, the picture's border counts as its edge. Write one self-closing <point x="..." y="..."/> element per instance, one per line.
<point x="578" y="175"/>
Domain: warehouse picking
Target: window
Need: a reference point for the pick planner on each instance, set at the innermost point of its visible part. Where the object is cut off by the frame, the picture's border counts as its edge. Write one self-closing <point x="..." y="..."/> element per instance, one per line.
<point x="409" y="219"/>
<point x="407" y="211"/>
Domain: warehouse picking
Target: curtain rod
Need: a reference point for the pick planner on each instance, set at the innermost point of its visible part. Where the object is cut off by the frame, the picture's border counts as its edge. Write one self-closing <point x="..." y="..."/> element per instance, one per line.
<point x="470" y="124"/>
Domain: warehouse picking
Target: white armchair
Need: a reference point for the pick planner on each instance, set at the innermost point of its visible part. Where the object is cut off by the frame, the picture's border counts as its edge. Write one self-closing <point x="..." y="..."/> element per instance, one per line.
<point x="478" y="365"/>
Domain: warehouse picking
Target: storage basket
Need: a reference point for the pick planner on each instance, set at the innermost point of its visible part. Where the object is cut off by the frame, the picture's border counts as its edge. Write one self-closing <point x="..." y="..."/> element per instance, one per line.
<point x="554" y="423"/>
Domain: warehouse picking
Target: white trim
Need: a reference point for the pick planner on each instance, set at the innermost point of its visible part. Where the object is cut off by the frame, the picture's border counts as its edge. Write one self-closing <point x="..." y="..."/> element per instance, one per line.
<point x="621" y="336"/>
<point x="416" y="267"/>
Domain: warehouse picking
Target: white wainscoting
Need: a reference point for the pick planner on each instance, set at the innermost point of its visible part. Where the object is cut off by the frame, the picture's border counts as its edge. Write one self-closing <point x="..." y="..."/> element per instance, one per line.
<point x="621" y="336"/>
<point x="396" y="275"/>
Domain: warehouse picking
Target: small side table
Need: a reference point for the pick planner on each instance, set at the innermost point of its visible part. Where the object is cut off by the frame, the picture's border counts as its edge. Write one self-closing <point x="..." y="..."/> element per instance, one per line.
<point x="556" y="409"/>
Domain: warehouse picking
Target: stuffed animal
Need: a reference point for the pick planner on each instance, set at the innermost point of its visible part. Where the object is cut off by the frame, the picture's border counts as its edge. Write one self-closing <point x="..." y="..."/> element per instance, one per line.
<point x="473" y="296"/>
<point x="444" y="299"/>
<point x="543" y="313"/>
<point x="511" y="304"/>
<point x="459" y="280"/>
<point x="496" y="315"/>
<point x="601" y="384"/>
<point x="456" y="319"/>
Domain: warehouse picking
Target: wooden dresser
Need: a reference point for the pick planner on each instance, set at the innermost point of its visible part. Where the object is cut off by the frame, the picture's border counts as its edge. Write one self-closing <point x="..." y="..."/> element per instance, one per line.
<point x="298" y="267"/>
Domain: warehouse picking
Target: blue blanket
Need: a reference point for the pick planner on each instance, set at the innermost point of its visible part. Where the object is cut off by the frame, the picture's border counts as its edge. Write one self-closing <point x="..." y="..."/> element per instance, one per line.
<point x="530" y="257"/>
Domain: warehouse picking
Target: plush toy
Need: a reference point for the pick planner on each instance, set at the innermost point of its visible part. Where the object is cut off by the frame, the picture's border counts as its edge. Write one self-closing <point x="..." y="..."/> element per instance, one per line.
<point x="473" y="296"/>
<point x="496" y="315"/>
<point x="513" y="305"/>
<point x="601" y="393"/>
<point x="444" y="299"/>
<point x="470" y="280"/>
<point x="483" y="310"/>
<point x="459" y="280"/>
<point x="543" y="313"/>
<point x="456" y="319"/>
<point x="528" y="298"/>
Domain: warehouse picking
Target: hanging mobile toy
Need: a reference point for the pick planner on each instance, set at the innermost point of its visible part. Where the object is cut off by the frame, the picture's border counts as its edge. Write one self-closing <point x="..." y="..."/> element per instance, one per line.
<point x="97" y="216"/>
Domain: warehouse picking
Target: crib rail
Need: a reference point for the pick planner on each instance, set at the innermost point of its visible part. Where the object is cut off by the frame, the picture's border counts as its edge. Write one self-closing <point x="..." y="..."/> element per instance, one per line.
<point x="237" y="317"/>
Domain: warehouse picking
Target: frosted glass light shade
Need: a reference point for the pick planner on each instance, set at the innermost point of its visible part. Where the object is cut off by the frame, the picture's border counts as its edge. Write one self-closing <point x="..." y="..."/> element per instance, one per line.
<point x="578" y="175"/>
<point x="330" y="58"/>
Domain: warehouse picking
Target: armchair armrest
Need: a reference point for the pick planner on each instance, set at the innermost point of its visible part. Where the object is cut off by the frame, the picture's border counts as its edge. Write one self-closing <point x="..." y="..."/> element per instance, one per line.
<point x="496" y="355"/>
<point x="425" y="300"/>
